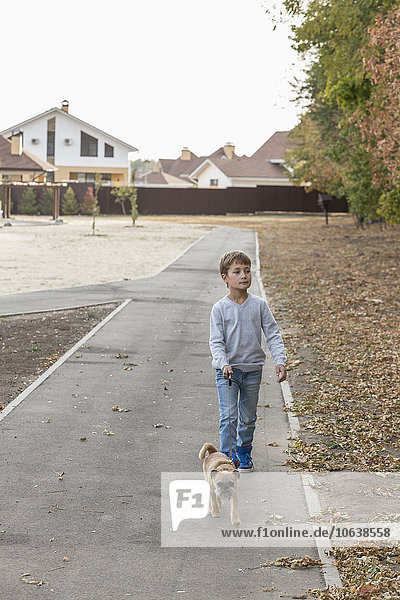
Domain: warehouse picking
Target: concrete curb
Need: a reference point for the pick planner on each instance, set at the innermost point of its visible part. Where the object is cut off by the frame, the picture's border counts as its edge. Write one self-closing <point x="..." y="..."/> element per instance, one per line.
<point x="329" y="569"/>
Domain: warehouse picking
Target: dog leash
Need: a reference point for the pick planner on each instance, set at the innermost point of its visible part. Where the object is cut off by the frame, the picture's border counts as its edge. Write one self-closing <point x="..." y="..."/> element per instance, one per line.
<point x="229" y="398"/>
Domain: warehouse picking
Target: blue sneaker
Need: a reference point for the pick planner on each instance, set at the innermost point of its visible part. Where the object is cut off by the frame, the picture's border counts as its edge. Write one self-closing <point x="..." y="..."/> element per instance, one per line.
<point x="245" y="460"/>
<point x="233" y="458"/>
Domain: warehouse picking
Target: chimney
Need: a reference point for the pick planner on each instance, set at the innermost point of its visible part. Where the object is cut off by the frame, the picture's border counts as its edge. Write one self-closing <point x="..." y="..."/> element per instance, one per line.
<point x="65" y="105"/>
<point x="16" y="142"/>
<point x="229" y="150"/>
<point x="186" y="153"/>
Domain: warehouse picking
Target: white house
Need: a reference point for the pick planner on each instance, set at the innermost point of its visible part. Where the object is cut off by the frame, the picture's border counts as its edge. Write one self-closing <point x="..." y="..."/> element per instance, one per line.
<point x="223" y="168"/>
<point x="264" y="167"/>
<point x="77" y="149"/>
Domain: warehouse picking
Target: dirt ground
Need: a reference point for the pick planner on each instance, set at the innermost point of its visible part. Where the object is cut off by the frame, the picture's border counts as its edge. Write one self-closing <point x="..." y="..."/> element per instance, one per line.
<point x="31" y="343"/>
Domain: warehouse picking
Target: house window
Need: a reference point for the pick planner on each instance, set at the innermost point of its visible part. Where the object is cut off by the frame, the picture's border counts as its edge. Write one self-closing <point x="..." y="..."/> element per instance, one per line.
<point x="51" y="139"/>
<point x="213" y="182"/>
<point x="89" y="145"/>
<point x="86" y="177"/>
<point x="108" y="151"/>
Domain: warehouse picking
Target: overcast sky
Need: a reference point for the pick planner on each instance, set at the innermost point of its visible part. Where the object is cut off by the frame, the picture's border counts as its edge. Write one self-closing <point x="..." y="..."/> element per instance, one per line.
<point x="158" y="74"/>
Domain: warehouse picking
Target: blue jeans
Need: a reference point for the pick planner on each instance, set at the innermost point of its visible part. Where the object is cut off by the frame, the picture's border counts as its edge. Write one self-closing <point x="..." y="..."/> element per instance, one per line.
<point x="245" y="409"/>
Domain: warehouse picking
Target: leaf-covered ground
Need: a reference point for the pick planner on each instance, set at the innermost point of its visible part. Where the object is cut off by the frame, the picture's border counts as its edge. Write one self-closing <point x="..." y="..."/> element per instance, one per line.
<point x="336" y="290"/>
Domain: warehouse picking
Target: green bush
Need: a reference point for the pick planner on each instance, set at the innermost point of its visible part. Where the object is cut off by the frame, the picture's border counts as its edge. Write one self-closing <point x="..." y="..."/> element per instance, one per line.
<point x="28" y="204"/>
<point x="45" y="202"/>
<point x="70" y="205"/>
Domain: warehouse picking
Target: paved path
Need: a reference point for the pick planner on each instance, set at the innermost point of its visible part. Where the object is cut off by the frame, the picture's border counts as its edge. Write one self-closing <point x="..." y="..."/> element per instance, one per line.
<point x="104" y="514"/>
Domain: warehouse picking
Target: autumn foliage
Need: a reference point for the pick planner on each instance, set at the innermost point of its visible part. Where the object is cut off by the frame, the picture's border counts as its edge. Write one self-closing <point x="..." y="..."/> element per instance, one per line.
<point x="379" y="121"/>
<point x="348" y="138"/>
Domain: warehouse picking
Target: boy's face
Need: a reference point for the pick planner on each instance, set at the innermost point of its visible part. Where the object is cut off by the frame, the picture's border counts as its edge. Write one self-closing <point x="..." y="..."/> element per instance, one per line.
<point x="238" y="276"/>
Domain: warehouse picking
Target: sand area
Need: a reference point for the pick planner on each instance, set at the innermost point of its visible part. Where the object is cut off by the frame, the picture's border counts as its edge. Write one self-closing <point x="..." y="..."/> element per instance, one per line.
<point x="37" y="255"/>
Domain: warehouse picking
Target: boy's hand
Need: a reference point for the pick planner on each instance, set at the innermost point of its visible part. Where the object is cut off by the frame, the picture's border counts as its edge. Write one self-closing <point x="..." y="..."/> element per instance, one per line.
<point x="226" y="371"/>
<point x="281" y="372"/>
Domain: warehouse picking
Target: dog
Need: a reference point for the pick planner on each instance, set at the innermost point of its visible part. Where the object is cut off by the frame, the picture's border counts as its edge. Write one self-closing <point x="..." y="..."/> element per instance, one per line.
<point x="222" y="477"/>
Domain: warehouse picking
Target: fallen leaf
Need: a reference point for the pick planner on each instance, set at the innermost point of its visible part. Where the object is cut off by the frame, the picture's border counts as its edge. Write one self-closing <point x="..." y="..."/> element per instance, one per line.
<point x="366" y="589"/>
<point x="38" y="583"/>
<point x="295" y="562"/>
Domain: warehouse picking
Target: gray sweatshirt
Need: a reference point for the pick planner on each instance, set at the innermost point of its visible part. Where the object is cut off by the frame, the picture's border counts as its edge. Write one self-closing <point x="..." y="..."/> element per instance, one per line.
<point x="235" y="334"/>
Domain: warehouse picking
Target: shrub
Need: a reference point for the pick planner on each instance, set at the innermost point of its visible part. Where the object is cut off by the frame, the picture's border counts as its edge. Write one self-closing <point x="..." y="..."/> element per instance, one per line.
<point x="45" y="202"/>
<point x="70" y="205"/>
<point x="28" y="204"/>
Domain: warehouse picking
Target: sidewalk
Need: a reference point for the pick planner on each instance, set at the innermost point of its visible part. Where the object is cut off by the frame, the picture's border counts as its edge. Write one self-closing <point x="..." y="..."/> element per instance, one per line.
<point x="71" y="491"/>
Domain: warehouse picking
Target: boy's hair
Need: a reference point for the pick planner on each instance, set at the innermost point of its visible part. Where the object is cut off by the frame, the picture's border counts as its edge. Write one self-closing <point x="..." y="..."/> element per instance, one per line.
<point x="230" y="257"/>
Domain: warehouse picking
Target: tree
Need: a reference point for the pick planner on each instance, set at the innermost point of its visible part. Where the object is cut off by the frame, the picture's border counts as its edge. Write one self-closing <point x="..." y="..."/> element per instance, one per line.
<point x="140" y="166"/>
<point x="45" y="201"/>
<point x="70" y="205"/>
<point x="134" y="206"/>
<point x="127" y="193"/>
<point x="133" y="199"/>
<point x="379" y="123"/>
<point x="122" y="194"/>
<point x="98" y="184"/>
<point x="331" y="155"/>
<point x="28" y="204"/>
<point x="90" y="207"/>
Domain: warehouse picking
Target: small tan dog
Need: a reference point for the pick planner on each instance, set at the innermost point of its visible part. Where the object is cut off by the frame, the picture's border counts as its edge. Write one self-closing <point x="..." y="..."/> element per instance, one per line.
<point x="222" y="477"/>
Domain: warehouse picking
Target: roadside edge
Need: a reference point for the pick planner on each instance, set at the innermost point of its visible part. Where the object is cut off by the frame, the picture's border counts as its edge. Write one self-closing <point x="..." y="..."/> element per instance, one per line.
<point x="329" y="569"/>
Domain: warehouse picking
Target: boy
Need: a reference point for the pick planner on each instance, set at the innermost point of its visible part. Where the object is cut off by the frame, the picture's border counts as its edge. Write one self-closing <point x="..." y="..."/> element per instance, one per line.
<point x="236" y="322"/>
